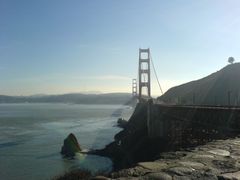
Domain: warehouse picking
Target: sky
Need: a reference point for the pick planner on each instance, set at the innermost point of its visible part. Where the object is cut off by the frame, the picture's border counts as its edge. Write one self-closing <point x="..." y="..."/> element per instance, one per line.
<point x="69" y="46"/>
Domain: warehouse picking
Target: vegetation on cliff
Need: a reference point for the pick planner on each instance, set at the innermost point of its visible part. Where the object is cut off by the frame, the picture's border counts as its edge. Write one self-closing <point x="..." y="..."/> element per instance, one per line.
<point x="219" y="88"/>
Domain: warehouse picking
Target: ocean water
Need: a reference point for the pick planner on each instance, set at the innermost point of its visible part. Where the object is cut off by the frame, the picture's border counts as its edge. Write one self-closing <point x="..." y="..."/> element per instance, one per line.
<point x="31" y="136"/>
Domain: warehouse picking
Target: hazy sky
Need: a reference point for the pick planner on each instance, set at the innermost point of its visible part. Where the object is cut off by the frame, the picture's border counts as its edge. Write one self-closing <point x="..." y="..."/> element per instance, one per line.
<point x="60" y="46"/>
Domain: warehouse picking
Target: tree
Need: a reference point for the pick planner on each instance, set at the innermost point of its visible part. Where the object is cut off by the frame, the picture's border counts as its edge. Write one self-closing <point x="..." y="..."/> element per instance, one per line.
<point x="231" y="60"/>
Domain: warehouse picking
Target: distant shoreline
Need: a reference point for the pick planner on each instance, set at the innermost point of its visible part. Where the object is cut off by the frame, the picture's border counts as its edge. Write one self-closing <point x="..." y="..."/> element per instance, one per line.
<point x="111" y="98"/>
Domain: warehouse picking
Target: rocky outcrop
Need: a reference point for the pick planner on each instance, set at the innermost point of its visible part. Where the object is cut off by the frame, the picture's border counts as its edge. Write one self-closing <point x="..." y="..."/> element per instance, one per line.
<point x="132" y="144"/>
<point x="70" y="146"/>
<point x="215" y="160"/>
<point x="180" y="127"/>
<point x="122" y="123"/>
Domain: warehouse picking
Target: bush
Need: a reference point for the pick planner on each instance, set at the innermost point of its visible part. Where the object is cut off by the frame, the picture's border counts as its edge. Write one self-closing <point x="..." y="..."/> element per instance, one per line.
<point x="75" y="175"/>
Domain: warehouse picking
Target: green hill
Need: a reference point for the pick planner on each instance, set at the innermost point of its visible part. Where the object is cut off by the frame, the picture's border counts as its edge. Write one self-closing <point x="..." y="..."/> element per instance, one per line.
<point x="219" y="88"/>
<point x="110" y="98"/>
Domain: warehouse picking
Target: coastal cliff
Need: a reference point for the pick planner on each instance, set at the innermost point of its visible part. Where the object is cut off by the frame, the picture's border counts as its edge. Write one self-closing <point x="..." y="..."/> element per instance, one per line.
<point x="138" y="156"/>
<point x="169" y="128"/>
<point x="132" y="144"/>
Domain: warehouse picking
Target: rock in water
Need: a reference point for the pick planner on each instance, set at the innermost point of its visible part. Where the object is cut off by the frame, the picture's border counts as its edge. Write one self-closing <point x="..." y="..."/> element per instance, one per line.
<point x="122" y="123"/>
<point x="70" y="146"/>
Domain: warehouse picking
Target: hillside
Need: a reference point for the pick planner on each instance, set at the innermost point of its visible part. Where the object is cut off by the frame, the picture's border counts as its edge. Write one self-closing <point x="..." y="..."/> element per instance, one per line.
<point x="111" y="98"/>
<point x="219" y="88"/>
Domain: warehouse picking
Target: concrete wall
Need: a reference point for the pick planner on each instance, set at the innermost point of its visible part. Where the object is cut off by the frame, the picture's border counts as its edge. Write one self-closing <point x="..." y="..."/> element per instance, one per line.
<point x="191" y="122"/>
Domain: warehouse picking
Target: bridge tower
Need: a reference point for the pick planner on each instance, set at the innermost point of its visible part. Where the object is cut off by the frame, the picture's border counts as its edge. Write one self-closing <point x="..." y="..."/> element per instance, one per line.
<point x="144" y="72"/>
<point x="134" y="87"/>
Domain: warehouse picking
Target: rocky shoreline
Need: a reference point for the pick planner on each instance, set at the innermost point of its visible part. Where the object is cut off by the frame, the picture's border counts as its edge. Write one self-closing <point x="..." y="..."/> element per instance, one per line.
<point x="137" y="156"/>
<point x="216" y="160"/>
<point x="219" y="159"/>
<point x="133" y="144"/>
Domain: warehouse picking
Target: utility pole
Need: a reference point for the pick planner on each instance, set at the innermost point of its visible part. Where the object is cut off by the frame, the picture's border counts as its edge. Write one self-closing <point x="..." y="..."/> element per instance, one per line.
<point x="235" y="102"/>
<point x="193" y="98"/>
<point x="229" y="98"/>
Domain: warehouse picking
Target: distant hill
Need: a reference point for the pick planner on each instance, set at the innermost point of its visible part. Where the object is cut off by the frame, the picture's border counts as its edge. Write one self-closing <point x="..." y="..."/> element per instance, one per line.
<point x="214" y="89"/>
<point x="111" y="98"/>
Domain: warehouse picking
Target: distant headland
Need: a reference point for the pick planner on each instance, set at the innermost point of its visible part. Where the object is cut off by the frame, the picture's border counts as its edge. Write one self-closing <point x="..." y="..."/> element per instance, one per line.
<point x="75" y="98"/>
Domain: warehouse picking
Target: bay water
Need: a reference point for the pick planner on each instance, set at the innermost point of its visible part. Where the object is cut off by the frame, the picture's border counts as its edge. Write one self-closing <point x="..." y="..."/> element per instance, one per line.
<point x="31" y="136"/>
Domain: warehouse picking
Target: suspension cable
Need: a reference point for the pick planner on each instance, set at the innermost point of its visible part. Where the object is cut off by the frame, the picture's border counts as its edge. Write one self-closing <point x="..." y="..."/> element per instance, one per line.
<point x="156" y="74"/>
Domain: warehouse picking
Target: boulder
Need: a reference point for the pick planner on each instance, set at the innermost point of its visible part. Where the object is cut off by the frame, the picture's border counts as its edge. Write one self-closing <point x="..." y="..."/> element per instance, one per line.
<point x="231" y="175"/>
<point x="122" y="122"/>
<point x="158" y="176"/>
<point x="70" y="146"/>
<point x="153" y="166"/>
<point x="100" y="178"/>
